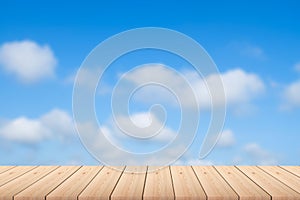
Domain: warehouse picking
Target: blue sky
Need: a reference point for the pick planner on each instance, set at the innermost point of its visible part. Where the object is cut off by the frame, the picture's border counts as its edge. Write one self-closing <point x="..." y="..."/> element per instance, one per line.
<point x="256" y="46"/>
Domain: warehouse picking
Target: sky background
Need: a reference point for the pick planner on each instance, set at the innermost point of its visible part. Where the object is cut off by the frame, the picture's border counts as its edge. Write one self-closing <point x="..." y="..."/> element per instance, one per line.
<point x="255" y="45"/>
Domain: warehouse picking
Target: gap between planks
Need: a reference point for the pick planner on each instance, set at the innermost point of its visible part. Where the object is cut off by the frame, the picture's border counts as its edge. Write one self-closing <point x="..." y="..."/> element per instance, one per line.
<point x="171" y="182"/>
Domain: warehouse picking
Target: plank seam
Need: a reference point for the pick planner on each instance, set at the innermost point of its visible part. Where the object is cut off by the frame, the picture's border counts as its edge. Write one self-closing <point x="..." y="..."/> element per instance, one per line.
<point x="227" y="182"/>
<point x="206" y="195"/>
<point x="13" y="196"/>
<point x="277" y="179"/>
<point x="145" y="182"/>
<point x="89" y="182"/>
<point x="254" y="182"/>
<point x="19" y="175"/>
<point x="117" y="182"/>
<point x="8" y="169"/>
<point x="62" y="182"/>
<point x="173" y="189"/>
<point x="289" y="171"/>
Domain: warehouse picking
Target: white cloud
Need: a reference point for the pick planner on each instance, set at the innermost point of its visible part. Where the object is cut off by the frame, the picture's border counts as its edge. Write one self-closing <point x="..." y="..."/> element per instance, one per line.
<point x="27" y="60"/>
<point x="240" y="87"/>
<point x="56" y="123"/>
<point x="260" y="155"/>
<point x="292" y="95"/>
<point x="226" y="139"/>
<point x="132" y="124"/>
<point x="24" y="130"/>
<point x="297" y="67"/>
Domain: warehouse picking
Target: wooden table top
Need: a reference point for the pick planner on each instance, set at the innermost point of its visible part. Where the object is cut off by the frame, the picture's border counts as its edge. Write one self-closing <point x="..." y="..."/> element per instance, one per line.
<point x="172" y="182"/>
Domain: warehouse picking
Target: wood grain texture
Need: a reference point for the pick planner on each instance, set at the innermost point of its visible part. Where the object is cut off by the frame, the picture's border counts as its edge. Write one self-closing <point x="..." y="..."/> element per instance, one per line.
<point x="213" y="184"/>
<point x="130" y="185"/>
<point x="285" y="177"/>
<point x="158" y="184"/>
<point x="293" y="169"/>
<point x="241" y="184"/>
<point x="175" y="182"/>
<point x="44" y="186"/>
<point x="13" y="173"/>
<point x="15" y="186"/>
<point x="73" y="186"/>
<point x="5" y="168"/>
<point x="102" y="185"/>
<point x="272" y="186"/>
<point x="186" y="184"/>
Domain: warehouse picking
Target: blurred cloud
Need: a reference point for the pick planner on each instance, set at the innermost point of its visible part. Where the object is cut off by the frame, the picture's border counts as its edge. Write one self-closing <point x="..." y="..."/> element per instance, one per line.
<point x="259" y="155"/>
<point x="56" y="123"/>
<point x="253" y="51"/>
<point x="247" y="49"/>
<point x="145" y="120"/>
<point x="291" y="95"/>
<point x="240" y="87"/>
<point x="297" y="67"/>
<point x="27" y="60"/>
<point x="226" y="139"/>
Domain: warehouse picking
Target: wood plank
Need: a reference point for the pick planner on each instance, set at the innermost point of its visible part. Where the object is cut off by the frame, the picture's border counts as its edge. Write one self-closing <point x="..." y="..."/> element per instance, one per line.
<point x="72" y="187"/>
<point x="158" y="184"/>
<point x="282" y="175"/>
<point x="275" y="188"/>
<point x="130" y="185"/>
<point x="13" y="173"/>
<point x="241" y="184"/>
<point x="293" y="169"/>
<point x="102" y="185"/>
<point x="44" y="186"/>
<point x="213" y="184"/>
<point x="5" y="168"/>
<point x="15" y="186"/>
<point x="186" y="184"/>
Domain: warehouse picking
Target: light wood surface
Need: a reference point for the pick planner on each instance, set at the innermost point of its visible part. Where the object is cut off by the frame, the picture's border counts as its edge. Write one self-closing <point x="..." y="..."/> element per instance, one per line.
<point x="293" y="169"/>
<point x="158" y="184"/>
<point x="17" y="185"/>
<point x="285" y="177"/>
<point x="241" y="184"/>
<point x="44" y="186"/>
<point x="13" y="173"/>
<point x="214" y="185"/>
<point x="130" y="185"/>
<point x="5" y="168"/>
<point x="175" y="182"/>
<point x="102" y="185"/>
<point x="72" y="187"/>
<point x="186" y="184"/>
<point x="271" y="185"/>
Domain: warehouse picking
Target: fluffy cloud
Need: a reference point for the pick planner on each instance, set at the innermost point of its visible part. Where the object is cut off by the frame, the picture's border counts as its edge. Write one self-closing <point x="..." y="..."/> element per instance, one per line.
<point x="27" y="60"/>
<point x="292" y="95"/>
<point x="239" y="86"/>
<point x="142" y="120"/>
<point x="260" y="155"/>
<point x="226" y="139"/>
<point x="24" y="130"/>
